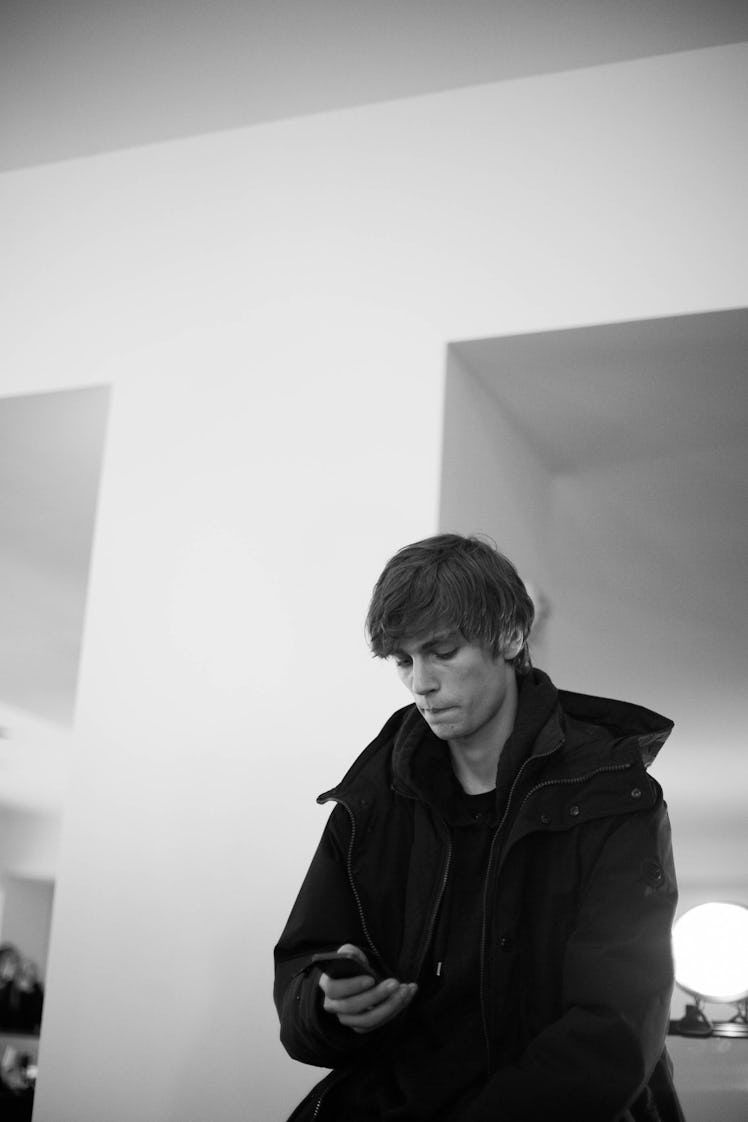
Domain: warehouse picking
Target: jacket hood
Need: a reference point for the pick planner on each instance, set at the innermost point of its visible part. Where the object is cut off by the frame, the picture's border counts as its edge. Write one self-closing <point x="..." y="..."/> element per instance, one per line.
<point x="622" y="720"/>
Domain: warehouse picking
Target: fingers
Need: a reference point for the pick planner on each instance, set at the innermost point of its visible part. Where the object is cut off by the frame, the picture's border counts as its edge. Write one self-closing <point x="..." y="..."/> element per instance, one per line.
<point x="396" y="1002"/>
<point x="337" y="988"/>
<point x="344" y="987"/>
<point x="365" y="1006"/>
<point x="351" y="948"/>
<point x="355" y="952"/>
<point x="360" y="1002"/>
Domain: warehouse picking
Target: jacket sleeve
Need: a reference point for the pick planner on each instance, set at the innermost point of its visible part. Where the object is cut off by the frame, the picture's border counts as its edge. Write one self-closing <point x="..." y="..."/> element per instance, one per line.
<point x="323" y="917"/>
<point x="593" y="1062"/>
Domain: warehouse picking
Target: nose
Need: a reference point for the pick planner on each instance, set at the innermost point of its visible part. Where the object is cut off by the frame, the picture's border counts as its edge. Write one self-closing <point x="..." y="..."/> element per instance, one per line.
<point x="423" y="679"/>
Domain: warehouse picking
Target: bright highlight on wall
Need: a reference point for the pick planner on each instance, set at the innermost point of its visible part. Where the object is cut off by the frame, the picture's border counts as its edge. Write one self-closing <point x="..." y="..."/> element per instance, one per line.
<point x="710" y="946"/>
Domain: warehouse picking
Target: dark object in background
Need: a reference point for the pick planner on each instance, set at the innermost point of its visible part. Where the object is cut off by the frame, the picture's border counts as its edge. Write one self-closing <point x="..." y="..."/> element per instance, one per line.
<point x="16" y="1107"/>
<point x="21" y="992"/>
<point x="17" y="1084"/>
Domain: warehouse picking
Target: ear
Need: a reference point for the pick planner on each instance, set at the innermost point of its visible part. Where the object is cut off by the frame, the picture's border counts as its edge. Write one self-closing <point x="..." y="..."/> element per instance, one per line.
<point x="513" y="645"/>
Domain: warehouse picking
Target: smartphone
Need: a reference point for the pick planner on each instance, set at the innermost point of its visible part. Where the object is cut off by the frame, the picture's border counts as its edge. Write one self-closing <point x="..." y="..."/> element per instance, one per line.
<point x="339" y="965"/>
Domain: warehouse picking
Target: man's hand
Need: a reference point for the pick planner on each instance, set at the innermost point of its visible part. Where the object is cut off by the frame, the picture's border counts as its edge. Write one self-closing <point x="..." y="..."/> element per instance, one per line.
<point x="359" y="1002"/>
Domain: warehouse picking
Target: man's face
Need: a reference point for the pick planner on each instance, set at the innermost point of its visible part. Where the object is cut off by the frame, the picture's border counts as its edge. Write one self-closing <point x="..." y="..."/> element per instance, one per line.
<point x="459" y="686"/>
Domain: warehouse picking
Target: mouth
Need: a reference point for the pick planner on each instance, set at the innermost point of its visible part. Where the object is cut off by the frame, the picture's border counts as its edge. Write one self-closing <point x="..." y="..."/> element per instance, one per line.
<point x="437" y="712"/>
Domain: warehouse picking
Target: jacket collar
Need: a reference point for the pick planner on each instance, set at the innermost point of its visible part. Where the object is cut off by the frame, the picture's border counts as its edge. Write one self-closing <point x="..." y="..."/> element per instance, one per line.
<point x="421" y="761"/>
<point x="585" y="721"/>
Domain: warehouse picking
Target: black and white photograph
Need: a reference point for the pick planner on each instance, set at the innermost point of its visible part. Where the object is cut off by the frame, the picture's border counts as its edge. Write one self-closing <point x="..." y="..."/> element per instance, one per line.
<point x="373" y="538"/>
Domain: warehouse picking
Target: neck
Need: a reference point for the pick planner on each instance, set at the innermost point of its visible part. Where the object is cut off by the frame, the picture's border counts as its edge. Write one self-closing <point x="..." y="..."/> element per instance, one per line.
<point x="475" y="758"/>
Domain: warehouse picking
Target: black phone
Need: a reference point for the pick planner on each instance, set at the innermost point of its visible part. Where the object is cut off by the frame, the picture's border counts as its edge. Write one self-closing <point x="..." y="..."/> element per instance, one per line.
<point x="338" y="965"/>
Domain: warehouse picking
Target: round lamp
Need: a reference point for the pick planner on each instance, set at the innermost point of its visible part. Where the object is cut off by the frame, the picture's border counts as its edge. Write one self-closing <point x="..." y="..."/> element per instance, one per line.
<point x="710" y="948"/>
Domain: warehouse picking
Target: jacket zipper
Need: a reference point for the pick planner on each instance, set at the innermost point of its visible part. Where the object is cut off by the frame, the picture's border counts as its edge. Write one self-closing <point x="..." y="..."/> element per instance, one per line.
<point x="569" y="780"/>
<point x="352" y="882"/>
<point x="318" y="1105"/>
<point x="435" y="912"/>
<point x="357" y="898"/>
<point x="575" y="779"/>
<point x="364" y="926"/>
<point x="437" y="903"/>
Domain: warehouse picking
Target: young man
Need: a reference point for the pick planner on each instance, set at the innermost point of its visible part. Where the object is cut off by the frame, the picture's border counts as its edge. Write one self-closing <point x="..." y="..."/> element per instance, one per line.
<point x="498" y="865"/>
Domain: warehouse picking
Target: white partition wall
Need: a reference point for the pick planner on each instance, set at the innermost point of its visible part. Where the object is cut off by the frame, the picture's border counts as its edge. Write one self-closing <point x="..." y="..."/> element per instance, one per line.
<point x="271" y="308"/>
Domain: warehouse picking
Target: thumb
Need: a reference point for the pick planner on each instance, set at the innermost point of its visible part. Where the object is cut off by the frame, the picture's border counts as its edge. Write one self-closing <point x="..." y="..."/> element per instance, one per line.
<point x="355" y="952"/>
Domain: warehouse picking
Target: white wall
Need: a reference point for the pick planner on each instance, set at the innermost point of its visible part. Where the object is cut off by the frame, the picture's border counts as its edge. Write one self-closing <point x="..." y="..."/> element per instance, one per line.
<point x="271" y="307"/>
<point x="29" y="841"/>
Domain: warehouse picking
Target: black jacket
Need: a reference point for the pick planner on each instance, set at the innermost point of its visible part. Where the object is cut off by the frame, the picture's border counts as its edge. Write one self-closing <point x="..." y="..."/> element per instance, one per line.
<point x="576" y="967"/>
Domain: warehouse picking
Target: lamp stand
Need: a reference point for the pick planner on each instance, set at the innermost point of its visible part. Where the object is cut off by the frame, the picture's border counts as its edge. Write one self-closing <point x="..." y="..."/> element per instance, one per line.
<point x="696" y="1023"/>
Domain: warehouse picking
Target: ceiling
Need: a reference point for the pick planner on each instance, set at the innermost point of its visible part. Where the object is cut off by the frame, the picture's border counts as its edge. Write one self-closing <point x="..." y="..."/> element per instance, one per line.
<point x="81" y="77"/>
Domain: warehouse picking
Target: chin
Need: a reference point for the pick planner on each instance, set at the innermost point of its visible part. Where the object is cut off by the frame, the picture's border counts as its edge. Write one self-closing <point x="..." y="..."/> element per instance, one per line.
<point x="445" y="730"/>
<point x="442" y="733"/>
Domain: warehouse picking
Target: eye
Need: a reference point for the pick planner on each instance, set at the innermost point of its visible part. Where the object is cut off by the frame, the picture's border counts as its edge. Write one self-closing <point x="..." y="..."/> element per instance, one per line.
<point x="402" y="662"/>
<point x="447" y="654"/>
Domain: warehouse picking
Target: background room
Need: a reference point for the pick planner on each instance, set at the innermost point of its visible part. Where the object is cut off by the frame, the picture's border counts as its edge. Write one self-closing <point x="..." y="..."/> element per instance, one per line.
<point x="285" y="288"/>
